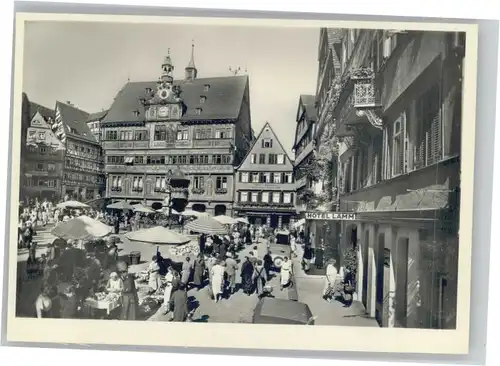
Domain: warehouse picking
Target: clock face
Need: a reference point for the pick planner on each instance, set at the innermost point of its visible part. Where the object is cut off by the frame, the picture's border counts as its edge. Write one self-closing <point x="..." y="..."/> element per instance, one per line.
<point x="163" y="111"/>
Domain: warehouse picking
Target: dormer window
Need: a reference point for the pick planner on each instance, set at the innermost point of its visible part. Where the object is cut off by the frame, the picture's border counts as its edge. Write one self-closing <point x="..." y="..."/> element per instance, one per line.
<point x="197" y="111"/>
<point x="137" y="113"/>
<point x="206" y="87"/>
<point x="149" y="90"/>
<point x="203" y="99"/>
<point x="267" y="143"/>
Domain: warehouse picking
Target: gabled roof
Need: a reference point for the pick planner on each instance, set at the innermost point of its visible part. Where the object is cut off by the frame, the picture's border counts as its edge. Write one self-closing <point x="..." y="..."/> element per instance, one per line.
<point x="75" y="122"/>
<point x="254" y="145"/>
<point x="334" y="38"/>
<point x="44" y="111"/>
<point x="223" y="99"/>
<point x="309" y="103"/>
<point x="97" y="116"/>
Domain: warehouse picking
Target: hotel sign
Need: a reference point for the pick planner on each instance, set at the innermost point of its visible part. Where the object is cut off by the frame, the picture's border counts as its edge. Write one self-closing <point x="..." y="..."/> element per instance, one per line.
<point x="330" y="216"/>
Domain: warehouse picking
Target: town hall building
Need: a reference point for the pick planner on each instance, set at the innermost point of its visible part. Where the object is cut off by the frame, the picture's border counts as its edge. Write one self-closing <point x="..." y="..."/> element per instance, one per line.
<point x="200" y="125"/>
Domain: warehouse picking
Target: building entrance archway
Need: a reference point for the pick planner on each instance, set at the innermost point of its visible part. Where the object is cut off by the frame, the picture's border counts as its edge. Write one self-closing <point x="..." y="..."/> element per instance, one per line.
<point x="199" y="207"/>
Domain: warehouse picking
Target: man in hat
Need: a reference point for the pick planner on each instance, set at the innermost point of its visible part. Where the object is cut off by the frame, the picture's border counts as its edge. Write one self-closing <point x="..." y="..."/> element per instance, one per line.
<point x="231" y="268"/>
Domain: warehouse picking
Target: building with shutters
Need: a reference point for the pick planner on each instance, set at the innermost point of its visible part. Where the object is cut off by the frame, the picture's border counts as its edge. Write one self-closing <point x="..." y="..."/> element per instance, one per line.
<point x="94" y="124"/>
<point x="396" y="108"/>
<point x="200" y="125"/>
<point x="264" y="188"/>
<point x="303" y="147"/>
<point x="42" y="160"/>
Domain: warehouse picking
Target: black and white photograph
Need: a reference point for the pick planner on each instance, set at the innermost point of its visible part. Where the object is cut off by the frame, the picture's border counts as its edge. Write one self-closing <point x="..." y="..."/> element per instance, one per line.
<point x="265" y="175"/>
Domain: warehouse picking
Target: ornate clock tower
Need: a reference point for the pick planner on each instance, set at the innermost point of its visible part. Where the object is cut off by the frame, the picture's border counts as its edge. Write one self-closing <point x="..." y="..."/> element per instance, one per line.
<point x="165" y="103"/>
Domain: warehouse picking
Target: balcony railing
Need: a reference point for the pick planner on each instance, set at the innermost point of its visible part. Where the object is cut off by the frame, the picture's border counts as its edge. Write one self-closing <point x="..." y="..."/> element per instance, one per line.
<point x="198" y="190"/>
<point x="212" y="143"/>
<point x="358" y="99"/>
<point x="221" y="191"/>
<point x="266" y="204"/>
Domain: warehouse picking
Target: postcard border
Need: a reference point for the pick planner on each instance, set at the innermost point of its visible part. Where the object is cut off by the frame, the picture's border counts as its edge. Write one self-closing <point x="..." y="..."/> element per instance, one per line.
<point x="249" y="336"/>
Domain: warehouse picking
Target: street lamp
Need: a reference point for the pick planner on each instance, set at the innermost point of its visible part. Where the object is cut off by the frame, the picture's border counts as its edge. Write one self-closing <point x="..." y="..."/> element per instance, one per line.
<point x="168" y="197"/>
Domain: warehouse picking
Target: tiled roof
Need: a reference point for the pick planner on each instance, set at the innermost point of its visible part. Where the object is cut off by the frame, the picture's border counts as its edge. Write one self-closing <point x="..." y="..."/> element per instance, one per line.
<point x="223" y="99"/>
<point x="75" y="122"/>
<point x="334" y="37"/>
<point x="309" y="102"/>
<point x="96" y="116"/>
<point x="44" y="111"/>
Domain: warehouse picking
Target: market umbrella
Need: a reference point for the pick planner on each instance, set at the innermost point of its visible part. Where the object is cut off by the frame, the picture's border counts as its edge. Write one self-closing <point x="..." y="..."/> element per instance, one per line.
<point x="158" y="235"/>
<point x="72" y="204"/>
<point x="242" y="220"/>
<point x="82" y="227"/>
<point x="206" y="225"/>
<point x="164" y="211"/>
<point x="225" y="220"/>
<point x="121" y="205"/>
<point x="143" y="209"/>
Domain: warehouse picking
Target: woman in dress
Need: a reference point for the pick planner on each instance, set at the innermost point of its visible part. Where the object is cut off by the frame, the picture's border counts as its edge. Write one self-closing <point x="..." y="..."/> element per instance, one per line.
<point x="286" y="273"/>
<point x="115" y="283"/>
<point x="217" y="275"/>
<point x="179" y="304"/>
<point x="247" y="276"/>
<point x="169" y="279"/>
<point x="330" y="286"/>
<point x="199" y="269"/>
<point x="154" y="275"/>
<point x="187" y="266"/>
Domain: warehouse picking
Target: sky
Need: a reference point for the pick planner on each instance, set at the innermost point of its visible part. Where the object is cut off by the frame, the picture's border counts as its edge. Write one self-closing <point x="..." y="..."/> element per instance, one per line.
<point x="88" y="63"/>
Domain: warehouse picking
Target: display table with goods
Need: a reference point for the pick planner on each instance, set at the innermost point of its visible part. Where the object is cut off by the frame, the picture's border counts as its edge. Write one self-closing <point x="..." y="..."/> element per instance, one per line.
<point x="104" y="301"/>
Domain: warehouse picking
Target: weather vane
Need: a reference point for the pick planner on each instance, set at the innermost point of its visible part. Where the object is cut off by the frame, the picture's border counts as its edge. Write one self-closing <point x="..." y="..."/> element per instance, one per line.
<point x="234" y="71"/>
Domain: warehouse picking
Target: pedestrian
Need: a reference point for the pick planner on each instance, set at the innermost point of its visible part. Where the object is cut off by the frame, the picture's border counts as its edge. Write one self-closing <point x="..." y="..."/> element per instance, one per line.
<point x="202" y="242"/>
<point x="199" y="270"/>
<point x="307" y="257"/>
<point x="217" y="275"/>
<point x="231" y="268"/>
<point x="179" y="304"/>
<point x="252" y="258"/>
<point x="246" y="276"/>
<point x="268" y="264"/>
<point x="68" y="303"/>
<point x="330" y="281"/>
<point x="154" y="275"/>
<point x="348" y="283"/>
<point x="115" y="283"/>
<point x="286" y="273"/>
<point x="130" y="300"/>
<point x="43" y="303"/>
<point x="259" y="278"/>
<point x="169" y="279"/>
<point x="116" y="225"/>
<point x="293" y="247"/>
<point x="186" y="271"/>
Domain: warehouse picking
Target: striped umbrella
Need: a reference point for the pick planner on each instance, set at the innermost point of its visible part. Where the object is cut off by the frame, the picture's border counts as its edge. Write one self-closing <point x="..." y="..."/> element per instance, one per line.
<point x="121" y="205"/>
<point x="82" y="227"/>
<point x="225" y="220"/>
<point x="206" y="225"/>
<point x="158" y="235"/>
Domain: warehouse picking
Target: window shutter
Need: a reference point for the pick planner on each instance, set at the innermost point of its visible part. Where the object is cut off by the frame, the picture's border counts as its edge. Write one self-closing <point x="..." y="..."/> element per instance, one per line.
<point x="402" y="146"/>
<point x="240" y="177"/>
<point x="434" y="151"/>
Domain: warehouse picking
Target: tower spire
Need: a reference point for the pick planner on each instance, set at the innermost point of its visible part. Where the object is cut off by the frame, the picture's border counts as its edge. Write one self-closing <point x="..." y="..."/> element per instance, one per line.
<point x="191" y="71"/>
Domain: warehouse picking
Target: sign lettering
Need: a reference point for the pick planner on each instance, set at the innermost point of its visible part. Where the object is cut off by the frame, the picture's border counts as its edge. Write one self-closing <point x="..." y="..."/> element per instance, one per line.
<point x="330" y="216"/>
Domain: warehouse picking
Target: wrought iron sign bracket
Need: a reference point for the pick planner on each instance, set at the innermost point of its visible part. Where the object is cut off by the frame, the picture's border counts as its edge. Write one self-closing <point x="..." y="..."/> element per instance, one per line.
<point x="372" y="117"/>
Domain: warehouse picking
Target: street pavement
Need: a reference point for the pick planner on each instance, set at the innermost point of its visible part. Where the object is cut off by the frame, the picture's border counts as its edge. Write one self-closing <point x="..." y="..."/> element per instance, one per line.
<point x="238" y="308"/>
